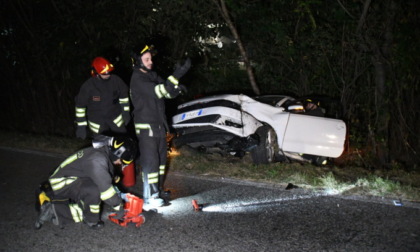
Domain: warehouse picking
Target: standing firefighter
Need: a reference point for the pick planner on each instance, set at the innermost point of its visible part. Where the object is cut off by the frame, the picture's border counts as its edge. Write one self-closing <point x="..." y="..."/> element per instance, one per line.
<point x="148" y="92"/>
<point x="83" y="181"/>
<point x="102" y="102"/>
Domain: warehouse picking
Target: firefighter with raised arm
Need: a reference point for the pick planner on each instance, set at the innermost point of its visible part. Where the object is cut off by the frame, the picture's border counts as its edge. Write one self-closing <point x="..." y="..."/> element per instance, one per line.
<point x="102" y="103"/>
<point x="148" y="93"/>
<point x="85" y="179"/>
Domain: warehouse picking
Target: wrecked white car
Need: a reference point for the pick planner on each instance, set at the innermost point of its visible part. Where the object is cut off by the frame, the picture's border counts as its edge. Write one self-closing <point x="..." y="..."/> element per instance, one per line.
<point x="271" y="128"/>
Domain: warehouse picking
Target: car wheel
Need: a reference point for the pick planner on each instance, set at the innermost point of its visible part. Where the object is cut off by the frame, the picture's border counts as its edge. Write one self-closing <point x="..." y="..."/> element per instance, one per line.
<point x="265" y="151"/>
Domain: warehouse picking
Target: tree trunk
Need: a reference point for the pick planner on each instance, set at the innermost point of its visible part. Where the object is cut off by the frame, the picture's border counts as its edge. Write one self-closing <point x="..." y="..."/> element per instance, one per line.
<point x="225" y="13"/>
<point x="380" y="45"/>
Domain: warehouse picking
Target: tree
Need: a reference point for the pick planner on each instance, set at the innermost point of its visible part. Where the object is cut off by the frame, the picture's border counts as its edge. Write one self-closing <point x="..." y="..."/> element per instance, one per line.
<point x="221" y="5"/>
<point x="362" y="53"/>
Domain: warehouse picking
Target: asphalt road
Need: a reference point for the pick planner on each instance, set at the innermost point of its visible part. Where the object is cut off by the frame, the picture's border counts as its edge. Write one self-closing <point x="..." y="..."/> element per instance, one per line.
<point x="237" y="216"/>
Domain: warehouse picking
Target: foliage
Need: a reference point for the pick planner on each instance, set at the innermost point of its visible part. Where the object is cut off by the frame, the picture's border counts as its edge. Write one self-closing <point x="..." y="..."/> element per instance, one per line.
<point x="362" y="53"/>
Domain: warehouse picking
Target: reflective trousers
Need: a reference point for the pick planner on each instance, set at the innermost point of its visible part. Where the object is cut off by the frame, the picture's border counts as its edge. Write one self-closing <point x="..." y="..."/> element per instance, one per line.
<point x="153" y="151"/>
<point x="79" y="201"/>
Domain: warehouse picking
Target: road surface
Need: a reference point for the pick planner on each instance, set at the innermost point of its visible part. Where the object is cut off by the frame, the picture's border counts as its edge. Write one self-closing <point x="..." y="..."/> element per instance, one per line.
<point x="237" y="216"/>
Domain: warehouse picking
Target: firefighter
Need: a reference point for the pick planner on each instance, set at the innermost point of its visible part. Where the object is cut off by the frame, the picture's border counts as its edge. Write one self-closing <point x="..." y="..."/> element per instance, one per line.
<point x="84" y="180"/>
<point x="313" y="108"/>
<point x="102" y="102"/>
<point x="148" y="91"/>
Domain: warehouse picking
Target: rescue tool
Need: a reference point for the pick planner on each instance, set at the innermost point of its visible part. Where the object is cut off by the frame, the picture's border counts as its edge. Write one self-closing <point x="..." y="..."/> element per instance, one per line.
<point x="197" y="207"/>
<point x="133" y="212"/>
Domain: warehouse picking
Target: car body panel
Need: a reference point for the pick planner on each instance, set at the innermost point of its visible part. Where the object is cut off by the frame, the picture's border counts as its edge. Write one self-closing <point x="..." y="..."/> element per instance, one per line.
<point x="296" y="133"/>
<point x="300" y="133"/>
<point x="229" y="97"/>
<point x="250" y="124"/>
<point x="314" y="135"/>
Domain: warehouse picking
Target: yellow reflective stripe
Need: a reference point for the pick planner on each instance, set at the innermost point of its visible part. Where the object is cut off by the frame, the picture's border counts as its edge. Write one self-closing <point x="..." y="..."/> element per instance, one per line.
<point x="94" y="208"/>
<point x="84" y="123"/>
<point x="162" y="170"/>
<point x="143" y="126"/>
<point x="160" y="91"/>
<point x="94" y="127"/>
<point x="123" y="100"/>
<point x="80" y="115"/>
<point x="68" y="161"/>
<point x="76" y="212"/>
<point x="153" y="181"/>
<point x="59" y="183"/>
<point x="108" y="193"/>
<point x="173" y="80"/>
<point x="117" y="207"/>
<point x="167" y="95"/>
<point x="119" y="120"/>
<point x="153" y="178"/>
<point x="80" y="112"/>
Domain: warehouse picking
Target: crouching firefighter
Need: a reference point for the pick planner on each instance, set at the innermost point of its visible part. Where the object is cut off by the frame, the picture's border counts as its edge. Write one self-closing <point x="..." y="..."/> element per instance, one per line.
<point x="83" y="181"/>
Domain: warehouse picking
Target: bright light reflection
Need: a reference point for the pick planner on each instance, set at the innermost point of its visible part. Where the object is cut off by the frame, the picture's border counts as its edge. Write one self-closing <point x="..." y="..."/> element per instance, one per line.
<point x="173" y="152"/>
<point x="241" y="206"/>
<point x="177" y="207"/>
<point x="183" y="206"/>
<point x="331" y="136"/>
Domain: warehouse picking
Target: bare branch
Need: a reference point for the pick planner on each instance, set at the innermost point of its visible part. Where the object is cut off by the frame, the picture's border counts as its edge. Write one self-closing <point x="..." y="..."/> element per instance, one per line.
<point x="363" y="17"/>
<point x="344" y="8"/>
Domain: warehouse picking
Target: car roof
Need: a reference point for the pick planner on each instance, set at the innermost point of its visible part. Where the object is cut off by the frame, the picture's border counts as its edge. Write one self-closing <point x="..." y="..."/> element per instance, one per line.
<point x="274" y="100"/>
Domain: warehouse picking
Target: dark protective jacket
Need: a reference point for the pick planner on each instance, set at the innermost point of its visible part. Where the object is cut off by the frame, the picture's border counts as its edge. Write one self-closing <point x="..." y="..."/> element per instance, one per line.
<point x="148" y="92"/>
<point x="88" y="163"/>
<point x="102" y="102"/>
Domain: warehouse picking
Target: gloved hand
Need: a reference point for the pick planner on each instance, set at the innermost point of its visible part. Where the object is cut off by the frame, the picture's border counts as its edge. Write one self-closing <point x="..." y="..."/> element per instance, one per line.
<point x="120" y="213"/>
<point x="116" y="179"/>
<point x="181" y="70"/>
<point x="182" y="89"/>
<point x="81" y="132"/>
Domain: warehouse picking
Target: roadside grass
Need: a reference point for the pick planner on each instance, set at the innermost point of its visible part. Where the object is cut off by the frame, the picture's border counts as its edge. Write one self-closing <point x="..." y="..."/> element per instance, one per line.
<point x="344" y="179"/>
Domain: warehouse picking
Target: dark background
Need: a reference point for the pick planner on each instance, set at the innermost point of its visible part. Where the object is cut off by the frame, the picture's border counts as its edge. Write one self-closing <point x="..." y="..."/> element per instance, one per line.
<point x="363" y="55"/>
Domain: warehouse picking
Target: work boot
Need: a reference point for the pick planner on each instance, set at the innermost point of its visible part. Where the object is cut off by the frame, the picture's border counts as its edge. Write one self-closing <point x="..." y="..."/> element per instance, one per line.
<point x="46" y="213"/>
<point x="98" y="225"/>
<point x="151" y="196"/>
<point x="166" y="196"/>
<point x="153" y="202"/>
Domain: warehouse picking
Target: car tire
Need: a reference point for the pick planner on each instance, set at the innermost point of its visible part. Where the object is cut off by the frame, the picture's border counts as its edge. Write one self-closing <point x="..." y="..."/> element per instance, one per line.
<point x="266" y="150"/>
